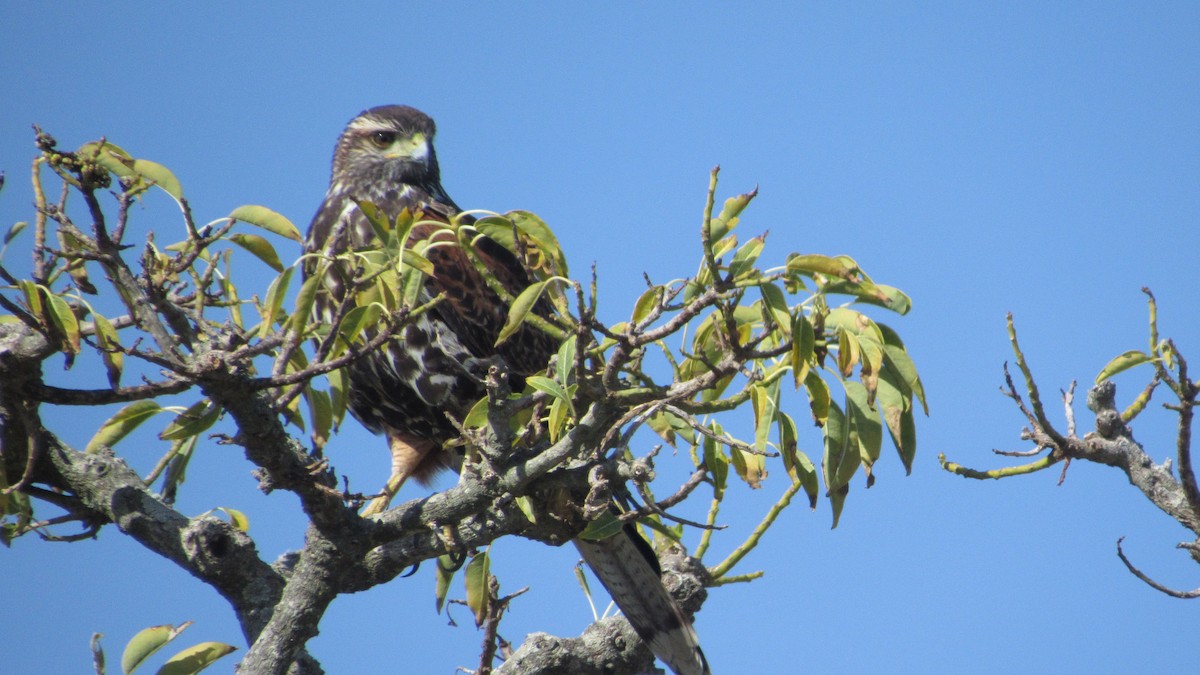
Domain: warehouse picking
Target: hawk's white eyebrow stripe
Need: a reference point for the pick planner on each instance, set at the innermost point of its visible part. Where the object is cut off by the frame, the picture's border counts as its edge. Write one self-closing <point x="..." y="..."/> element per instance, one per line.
<point x="369" y="124"/>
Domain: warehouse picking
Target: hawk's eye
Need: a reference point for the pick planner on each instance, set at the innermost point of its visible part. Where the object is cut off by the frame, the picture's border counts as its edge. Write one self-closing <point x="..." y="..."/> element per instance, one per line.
<point x="383" y="139"/>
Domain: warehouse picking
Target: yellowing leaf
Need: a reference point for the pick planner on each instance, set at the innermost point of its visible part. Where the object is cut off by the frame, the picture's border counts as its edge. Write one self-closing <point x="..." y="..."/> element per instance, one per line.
<point x="259" y="247"/>
<point x="236" y="518"/>
<point x="476" y="577"/>
<point x="195" y="658"/>
<point x="540" y="234"/>
<point x="121" y="424"/>
<point x="1122" y="363"/>
<point x="840" y="266"/>
<point x="268" y="220"/>
<point x="750" y="467"/>
<point x="146" y="642"/>
<point x="417" y="261"/>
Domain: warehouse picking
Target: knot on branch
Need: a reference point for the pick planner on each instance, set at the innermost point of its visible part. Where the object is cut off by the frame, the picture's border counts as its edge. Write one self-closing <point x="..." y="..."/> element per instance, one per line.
<point x="1102" y="400"/>
<point x="685" y="578"/>
<point x="208" y="541"/>
<point x="607" y="646"/>
<point x="599" y="495"/>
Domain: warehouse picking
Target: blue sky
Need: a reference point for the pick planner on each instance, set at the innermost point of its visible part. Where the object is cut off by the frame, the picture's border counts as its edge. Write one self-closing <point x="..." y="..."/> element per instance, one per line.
<point x="1039" y="158"/>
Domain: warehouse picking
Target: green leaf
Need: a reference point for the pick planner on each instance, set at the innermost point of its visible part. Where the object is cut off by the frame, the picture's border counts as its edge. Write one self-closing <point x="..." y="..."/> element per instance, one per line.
<point x="717" y="463"/>
<point x="121" y="163"/>
<point x="542" y="237"/>
<point x="447" y="567"/>
<point x="178" y="457"/>
<point x="477" y="418"/>
<point x="804" y="340"/>
<point x="301" y="318"/>
<point x="872" y="294"/>
<point x="648" y="301"/>
<point x="799" y="467"/>
<point x="901" y="365"/>
<point x="271" y="306"/>
<point x="841" y="458"/>
<point x="776" y="303"/>
<point x="108" y="155"/>
<point x="551" y="387"/>
<point x="583" y="583"/>
<point x="848" y="351"/>
<point x="338" y="394"/>
<point x="321" y="411"/>
<point x="33" y="300"/>
<point x="747" y="255"/>
<point x="121" y="424"/>
<point x="161" y="175"/>
<point x="236" y="518"/>
<point x="417" y="261"/>
<point x="869" y="431"/>
<point x="1122" y="363"/>
<point x="728" y="218"/>
<point x="196" y="658"/>
<point x="261" y="216"/>
<point x="520" y="309"/>
<point x="353" y="324"/>
<point x="818" y="396"/>
<point x="192" y="422"/>
<point x="13" y="231"/>
<point x="894" y="407"/>
<point x="147" y="642"/>
<point x="765" y="405"/>
<point x="564" y="364"/>
<point x="841" y="266"/>
<point x="65" y="321"/>
<point x="604" y="526"/>
<point x="377" y="219"/>
<point x="525" y="503"/>
<point x="724" y="246"/>
<point x="260" y="248"/>
<point x="110" y="346"/>
<point x="476" y="578"/>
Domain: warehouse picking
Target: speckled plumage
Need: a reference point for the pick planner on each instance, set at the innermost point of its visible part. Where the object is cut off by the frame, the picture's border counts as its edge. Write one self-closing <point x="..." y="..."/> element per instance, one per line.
<point x="434" y="368"/>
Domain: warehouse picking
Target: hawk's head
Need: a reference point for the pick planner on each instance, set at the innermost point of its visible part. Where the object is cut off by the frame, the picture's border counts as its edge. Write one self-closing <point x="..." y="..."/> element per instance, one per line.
<point x="387" y="145"/>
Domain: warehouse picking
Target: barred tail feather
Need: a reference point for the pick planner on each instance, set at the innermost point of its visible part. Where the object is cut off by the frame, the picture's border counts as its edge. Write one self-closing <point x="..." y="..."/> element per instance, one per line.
<point x="635" y="585"/>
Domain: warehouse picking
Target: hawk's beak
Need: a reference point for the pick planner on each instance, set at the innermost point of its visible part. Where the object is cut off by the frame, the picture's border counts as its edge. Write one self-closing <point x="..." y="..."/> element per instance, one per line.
<point x="415" y="148"/>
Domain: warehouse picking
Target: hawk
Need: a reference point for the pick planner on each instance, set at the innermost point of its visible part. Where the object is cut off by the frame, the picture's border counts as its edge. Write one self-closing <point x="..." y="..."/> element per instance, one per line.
<point x="434" y="367"/>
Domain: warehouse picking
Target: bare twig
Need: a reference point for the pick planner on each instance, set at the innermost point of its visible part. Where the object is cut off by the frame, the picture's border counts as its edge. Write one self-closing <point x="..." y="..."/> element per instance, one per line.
<point x="1187" y="595"/>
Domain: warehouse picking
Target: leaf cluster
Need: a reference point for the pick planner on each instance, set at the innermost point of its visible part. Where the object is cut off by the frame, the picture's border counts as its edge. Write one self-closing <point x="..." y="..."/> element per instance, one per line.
<point x="713" y="364"/>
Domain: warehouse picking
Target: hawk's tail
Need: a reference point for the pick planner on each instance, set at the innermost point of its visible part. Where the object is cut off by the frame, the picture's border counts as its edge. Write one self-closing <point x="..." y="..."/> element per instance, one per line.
<point x="629" y="570"/>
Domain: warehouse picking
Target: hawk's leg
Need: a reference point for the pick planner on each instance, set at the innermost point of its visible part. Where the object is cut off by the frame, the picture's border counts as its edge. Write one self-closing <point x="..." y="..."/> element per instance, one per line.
<point x="407" y="456"/>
